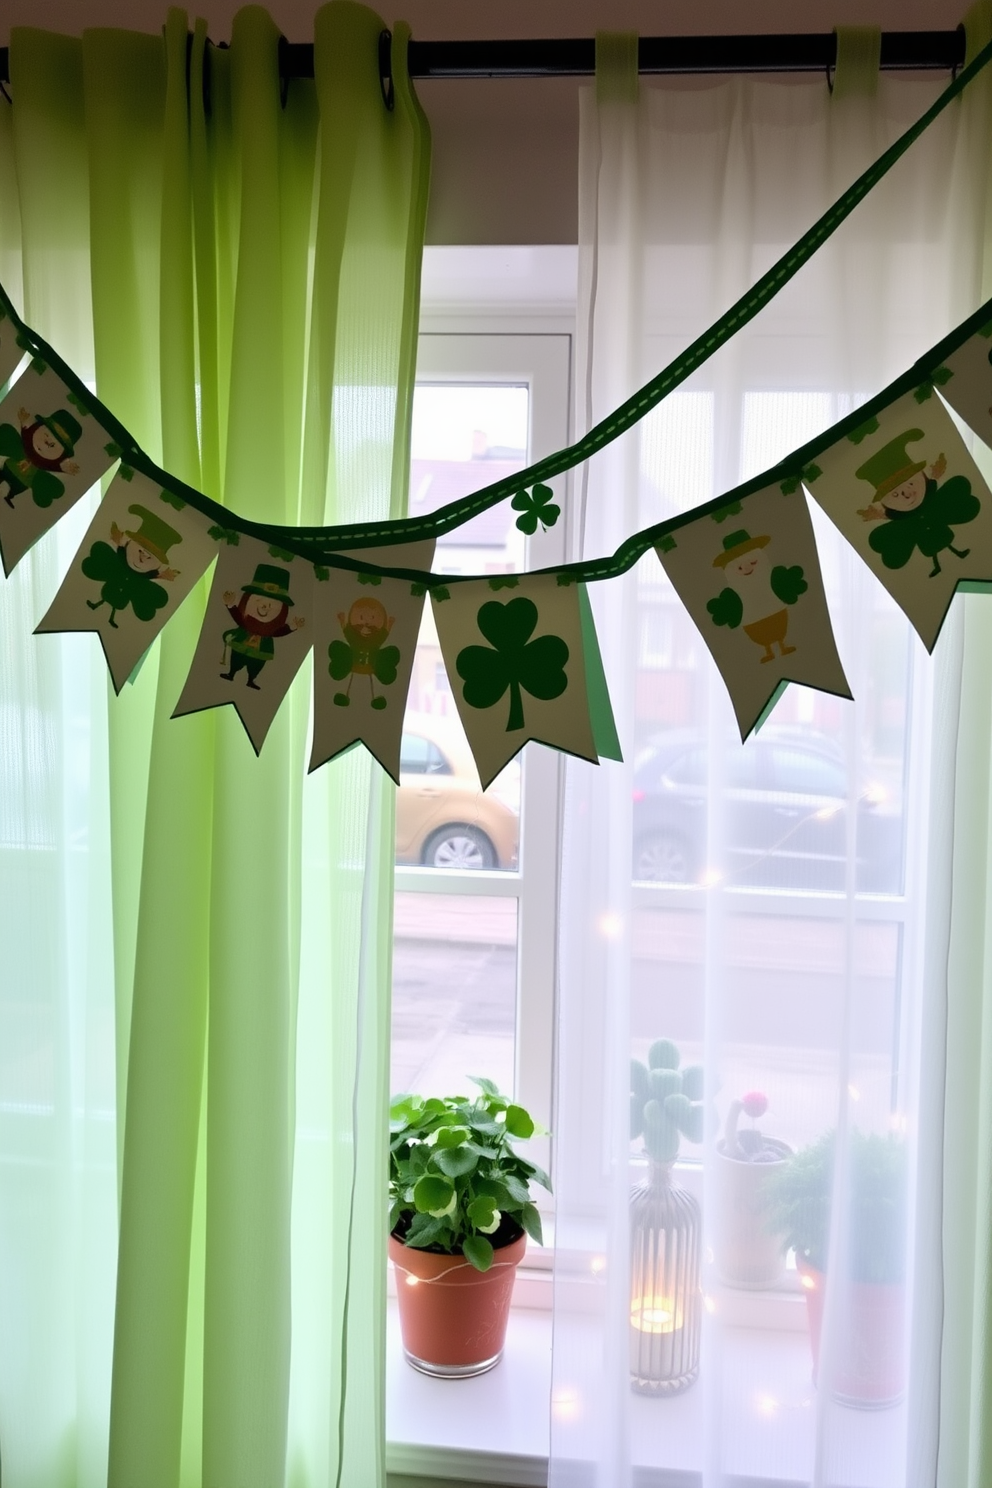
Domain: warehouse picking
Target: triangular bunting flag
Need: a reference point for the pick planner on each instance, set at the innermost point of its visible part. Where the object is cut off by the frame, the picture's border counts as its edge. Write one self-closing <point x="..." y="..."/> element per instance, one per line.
<point x="365" y="638"/>
<point x="513" y="651"/>
<point x="144" y="551"/>
<point x="750" y="578"/>
<point x="11" y="351"/>
<point x="51" y="452"/>
<point x="256" y="632"/>
<point x="905" y="492"/>
<point x="965" y="382"/>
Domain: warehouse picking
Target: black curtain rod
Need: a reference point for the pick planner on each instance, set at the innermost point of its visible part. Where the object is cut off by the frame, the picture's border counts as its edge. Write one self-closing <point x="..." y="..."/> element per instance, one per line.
<point x="902" y="51"/>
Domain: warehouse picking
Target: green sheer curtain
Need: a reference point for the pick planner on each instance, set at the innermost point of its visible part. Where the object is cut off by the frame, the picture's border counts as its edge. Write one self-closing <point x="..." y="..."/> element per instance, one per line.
<point x="236" y="265"/>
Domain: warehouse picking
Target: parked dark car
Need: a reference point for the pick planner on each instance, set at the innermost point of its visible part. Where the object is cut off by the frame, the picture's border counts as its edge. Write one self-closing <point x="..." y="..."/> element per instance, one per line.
<point x="784" y="815"/>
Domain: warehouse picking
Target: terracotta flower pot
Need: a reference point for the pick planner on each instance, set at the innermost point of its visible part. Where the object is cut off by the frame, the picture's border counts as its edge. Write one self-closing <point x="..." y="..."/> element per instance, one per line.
<point x="747" y="1252"/>
<point x="869" y="1365"/>
<point x="453" y="1317"/>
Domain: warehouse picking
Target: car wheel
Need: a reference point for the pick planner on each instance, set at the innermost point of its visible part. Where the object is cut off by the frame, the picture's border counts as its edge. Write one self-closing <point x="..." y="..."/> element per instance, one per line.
<point x="663" y="858"/>
<point x="459" y="847"/>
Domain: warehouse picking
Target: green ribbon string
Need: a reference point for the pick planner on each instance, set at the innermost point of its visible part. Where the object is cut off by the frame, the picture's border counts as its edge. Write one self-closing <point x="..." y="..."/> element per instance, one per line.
<point x="324" y="545"/>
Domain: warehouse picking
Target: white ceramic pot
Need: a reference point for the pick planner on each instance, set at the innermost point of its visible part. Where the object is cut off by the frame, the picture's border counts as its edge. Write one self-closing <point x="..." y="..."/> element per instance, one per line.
<point x="747" y="1253"/>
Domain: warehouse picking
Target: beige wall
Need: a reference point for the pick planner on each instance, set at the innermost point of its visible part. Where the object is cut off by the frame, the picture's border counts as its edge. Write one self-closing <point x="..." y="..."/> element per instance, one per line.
<point x="505" y="151"/>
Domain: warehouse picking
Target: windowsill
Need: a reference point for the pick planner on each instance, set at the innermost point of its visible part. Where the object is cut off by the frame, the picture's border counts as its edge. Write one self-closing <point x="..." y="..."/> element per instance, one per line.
<point x="495" y="1428"/>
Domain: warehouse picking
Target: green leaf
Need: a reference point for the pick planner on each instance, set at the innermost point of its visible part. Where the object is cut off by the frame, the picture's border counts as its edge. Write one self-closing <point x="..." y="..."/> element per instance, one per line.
<point x="487" y="1086"/>
<point x="531" y="1220"/>
<point x="432" y="1194"/>
<point x="517" y="1189"/>
<point x="405" y="1107"/>
<point x="869" y="426"/>
<point x="518" y="1122"/>
<point x="538" y="1175"/>
<point x="478" y="1251"/>
<point x="481" y="1212"/>
<point x="494" y="1189"/>
<point x="536" y="507"/>
<point x="512" y="660"/>
<point x="225" y="534"/>
<point x="171" y="499"/>
<point x="425" y="1230"/>
<point x="455" y="1161"/>
<point x="452" y="1136"/>
<point x="663" y="1054"/>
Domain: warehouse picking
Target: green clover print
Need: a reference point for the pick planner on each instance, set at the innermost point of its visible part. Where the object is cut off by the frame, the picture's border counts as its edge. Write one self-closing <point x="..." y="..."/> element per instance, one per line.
<point x="515" y="661"/>
<point x="536" y="506"/>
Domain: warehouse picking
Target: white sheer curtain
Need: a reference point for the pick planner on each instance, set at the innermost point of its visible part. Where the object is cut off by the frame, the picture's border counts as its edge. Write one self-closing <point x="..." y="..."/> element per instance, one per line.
<point x="780" y="927"/>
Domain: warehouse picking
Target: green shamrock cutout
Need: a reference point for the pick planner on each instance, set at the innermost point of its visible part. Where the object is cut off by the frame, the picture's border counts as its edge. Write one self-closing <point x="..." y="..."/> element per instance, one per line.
<point x="536" y="506"/>
<point x="225" y="534"/>
<point x="732" y="510"/>
<point x="863" y="430"/>
<point x="281" y="554"/>
<point x="515" y="661"/>
<point x="171" y="499"/>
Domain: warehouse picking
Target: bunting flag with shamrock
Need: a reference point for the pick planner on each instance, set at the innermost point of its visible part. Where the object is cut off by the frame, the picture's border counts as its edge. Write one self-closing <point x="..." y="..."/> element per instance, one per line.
<point x="749" y="575"/>
<point x="11" y="350"/>
<point x="144" y="551"/>
<point x="514" y="653"/>
<point x="905" y="492"/>
<point x="365" y="638"/>
<point x="965" y="382"/>
<point x="256" y="632"/>
<point x="51" y="452"/>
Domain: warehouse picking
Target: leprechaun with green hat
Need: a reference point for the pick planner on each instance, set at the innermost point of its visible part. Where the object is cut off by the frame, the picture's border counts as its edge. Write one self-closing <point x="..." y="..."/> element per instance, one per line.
<point x="33" y="456"/>
<point x="129" y="569"/>
<point x="916" y="510"/>
<point x="756" y="596"/>
<point x="261" y="616"/>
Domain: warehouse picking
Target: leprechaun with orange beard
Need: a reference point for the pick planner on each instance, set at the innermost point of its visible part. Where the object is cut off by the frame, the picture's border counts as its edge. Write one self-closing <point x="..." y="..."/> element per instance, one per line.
<point x="261" y="617"/>
<point x="33" y="456"/>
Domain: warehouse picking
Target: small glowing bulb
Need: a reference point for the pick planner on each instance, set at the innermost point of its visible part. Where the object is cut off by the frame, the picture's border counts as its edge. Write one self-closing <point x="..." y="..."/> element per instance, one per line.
<point x="610" y="925"/>
<point x="808" y="1282"/>
<point x="597" y="1265"/>
<point x="710" y="1304"/>
<point x="565" y="1405"/>
<point x="766" y="1405"/>
<point x="412" y="1280"/>
<point x="711" y="877"/>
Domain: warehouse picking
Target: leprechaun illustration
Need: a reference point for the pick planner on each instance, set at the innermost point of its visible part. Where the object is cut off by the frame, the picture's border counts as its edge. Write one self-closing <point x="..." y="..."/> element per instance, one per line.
<point x="261" y="616"/>
<point x="130" y="568"/>
<point x="33" y="456"/>
<point x="363" y="652"/>
<point x="756" y="595"/>
<point x="916" y="510"/>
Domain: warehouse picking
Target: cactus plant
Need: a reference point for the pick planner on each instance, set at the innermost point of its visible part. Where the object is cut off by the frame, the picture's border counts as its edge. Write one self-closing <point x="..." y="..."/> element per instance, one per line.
<point x="666" y="1102"/>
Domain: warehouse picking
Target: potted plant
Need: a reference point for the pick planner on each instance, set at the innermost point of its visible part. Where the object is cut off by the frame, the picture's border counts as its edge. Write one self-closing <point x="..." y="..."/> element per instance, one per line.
<point x="460" y="1213"/>
<point x="868" y="1364"/>
<point x="665" y="1226"/>
<point x="746" y="1248"/>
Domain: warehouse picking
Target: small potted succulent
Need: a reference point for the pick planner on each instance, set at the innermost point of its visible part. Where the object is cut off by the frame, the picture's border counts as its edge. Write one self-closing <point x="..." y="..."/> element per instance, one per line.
<point x="665" y="1226"/>
<point x="868" y="1364"/>
<point x="460" y="1213"/>
<point x="746" y="1247"/>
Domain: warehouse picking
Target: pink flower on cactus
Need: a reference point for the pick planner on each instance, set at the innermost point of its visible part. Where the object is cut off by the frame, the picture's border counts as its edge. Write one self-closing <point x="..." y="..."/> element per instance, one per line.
<point x="755" y="1104"/>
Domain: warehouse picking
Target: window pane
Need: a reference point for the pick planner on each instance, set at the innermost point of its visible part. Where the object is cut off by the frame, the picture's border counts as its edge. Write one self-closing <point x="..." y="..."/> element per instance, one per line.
<point x="454" y="991"/>
<point x="465" y="435"/>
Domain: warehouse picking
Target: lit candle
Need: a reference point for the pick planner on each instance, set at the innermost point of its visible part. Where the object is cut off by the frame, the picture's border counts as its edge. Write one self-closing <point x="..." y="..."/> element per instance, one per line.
<point x="653" y="1314"/>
